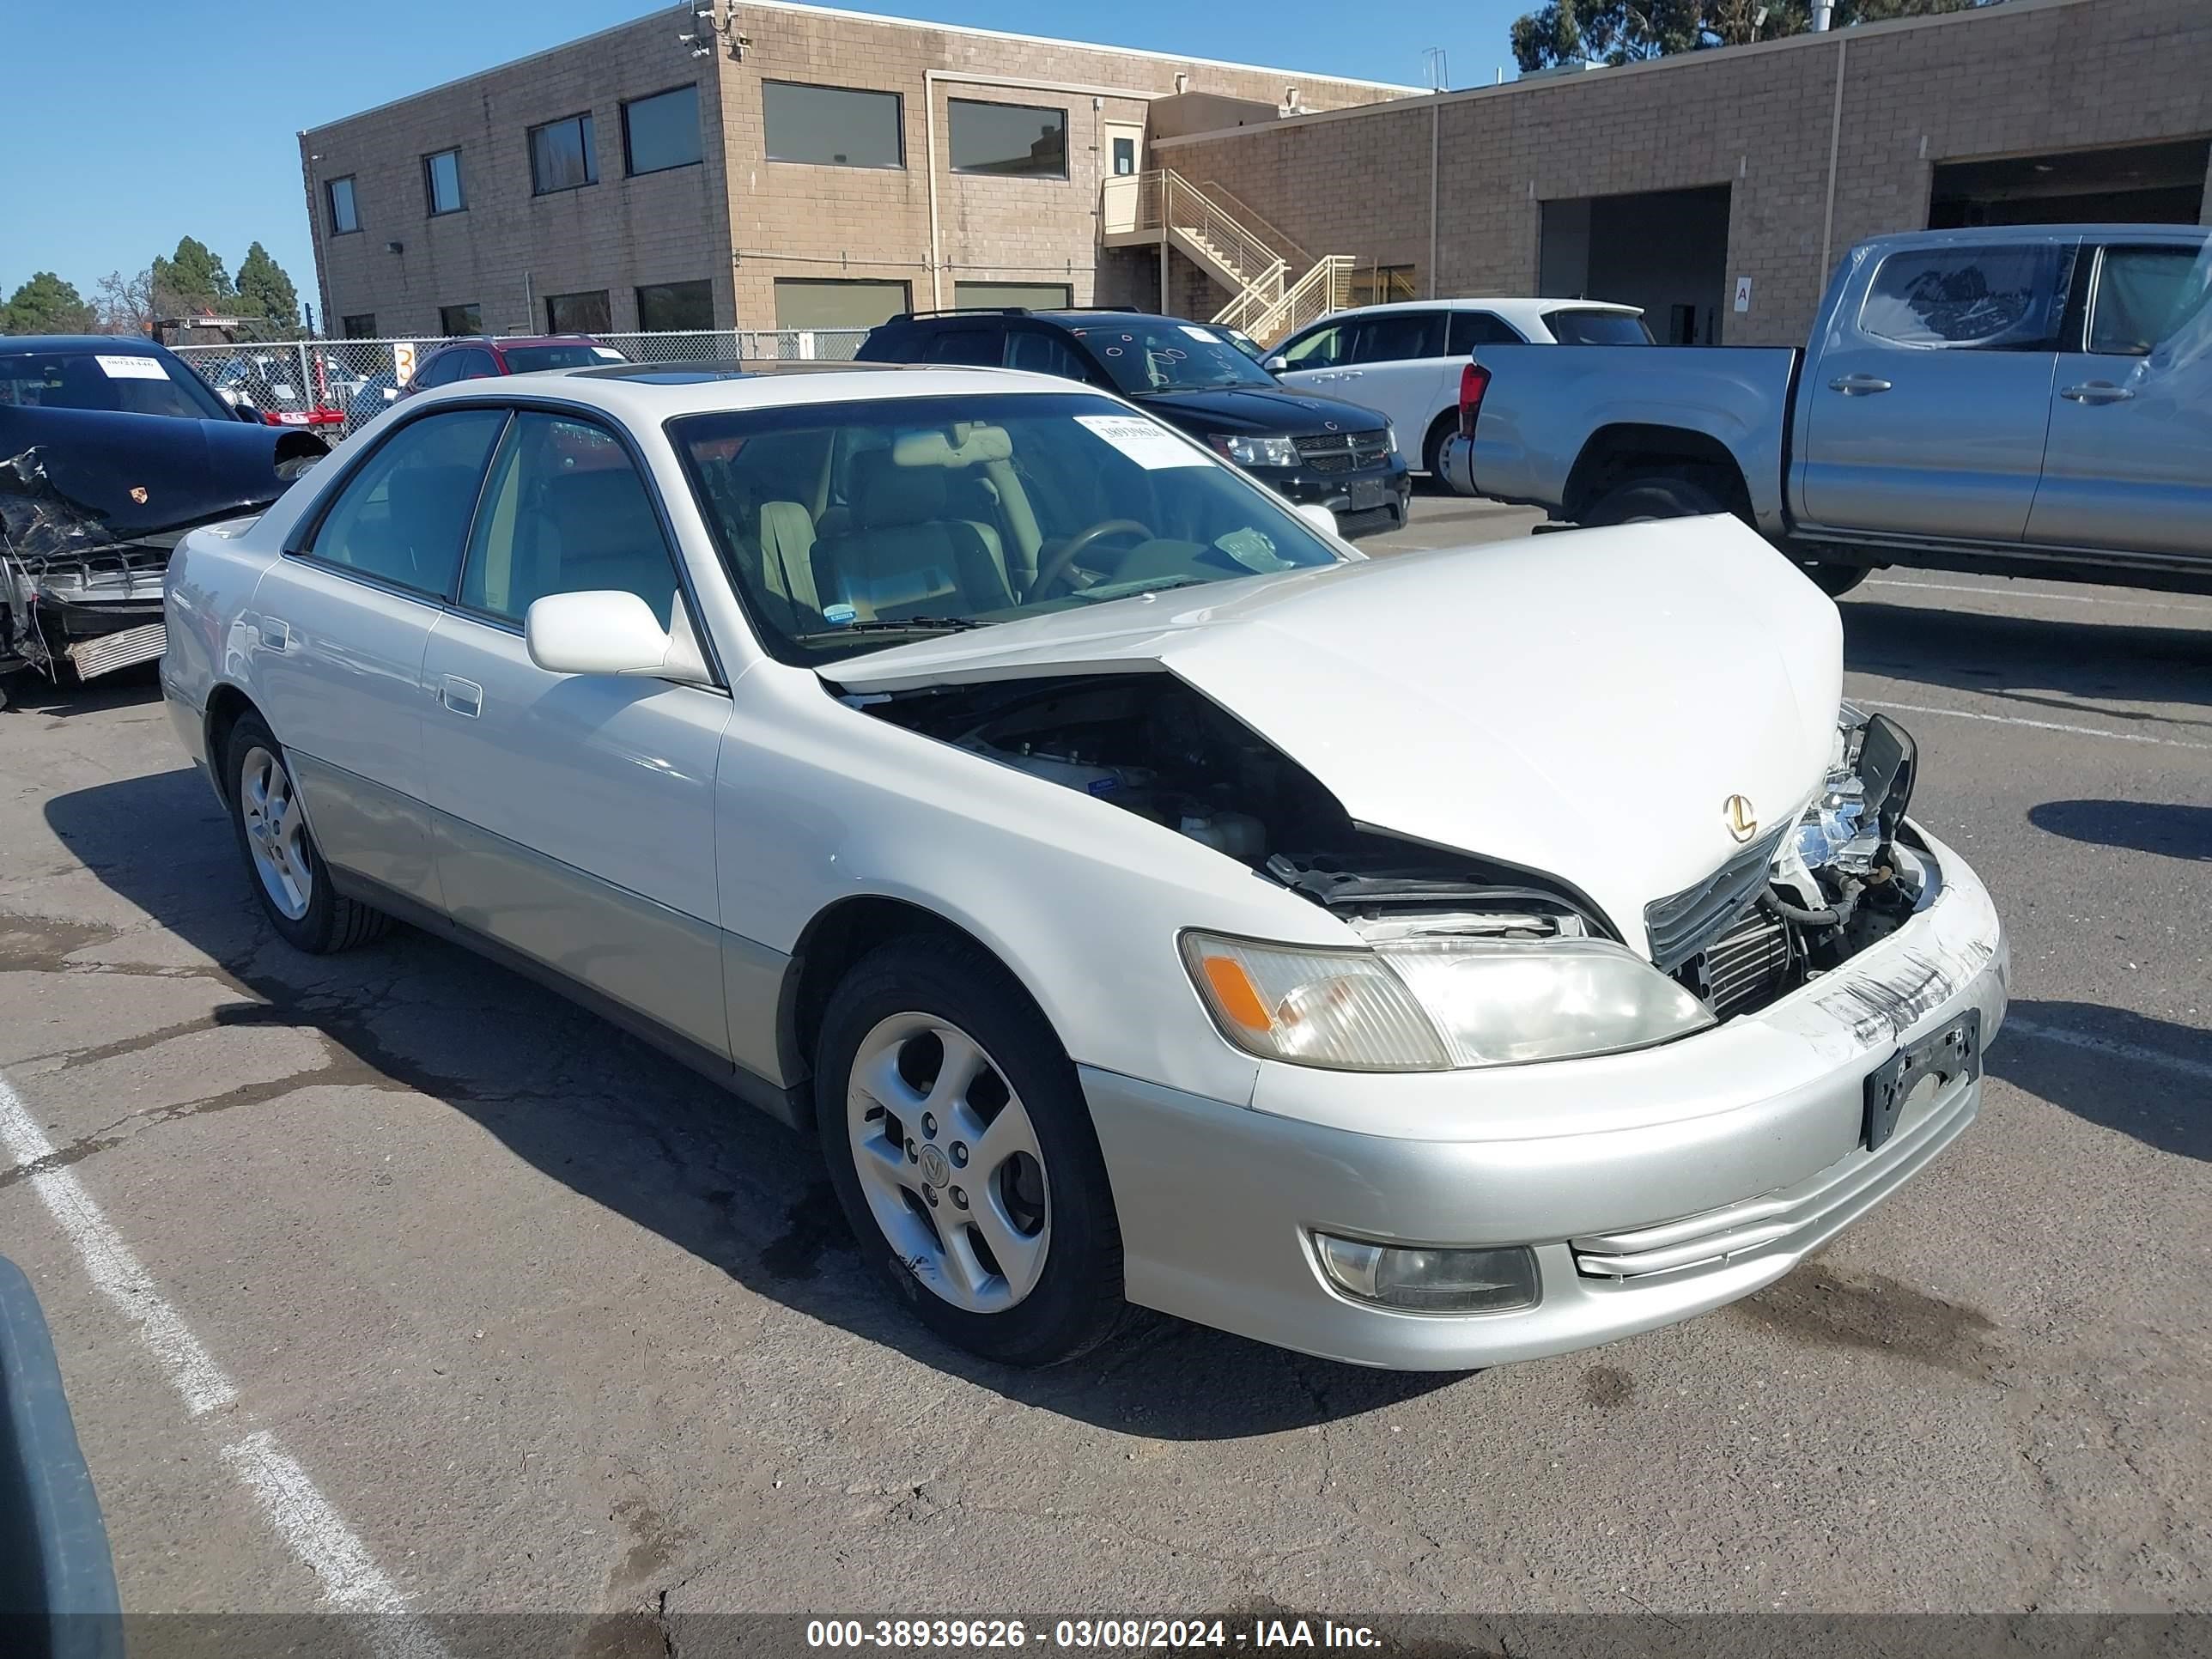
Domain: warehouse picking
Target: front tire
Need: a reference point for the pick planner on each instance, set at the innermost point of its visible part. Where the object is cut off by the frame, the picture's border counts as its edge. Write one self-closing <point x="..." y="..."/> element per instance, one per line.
<point x="283" y="862"/>
<point x="963" y="1153"/>
<point x="1834" y="580"/>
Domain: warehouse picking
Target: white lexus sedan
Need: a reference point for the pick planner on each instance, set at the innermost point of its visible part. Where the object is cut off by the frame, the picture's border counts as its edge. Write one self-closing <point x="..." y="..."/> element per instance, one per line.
<point x="1144" y="898"/>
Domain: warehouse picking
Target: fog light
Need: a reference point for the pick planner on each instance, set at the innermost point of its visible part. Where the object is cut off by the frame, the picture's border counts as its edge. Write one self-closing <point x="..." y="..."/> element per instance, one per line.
<point x="1430" y="1280"/>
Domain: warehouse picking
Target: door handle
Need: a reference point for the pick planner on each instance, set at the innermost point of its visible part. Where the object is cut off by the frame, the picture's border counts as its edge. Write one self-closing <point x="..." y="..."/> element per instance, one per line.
<point x="464" y="697"/>
<point x="2096" y="392"/>
<point x="275" y="634"/>
<point x="1858" y="385"/>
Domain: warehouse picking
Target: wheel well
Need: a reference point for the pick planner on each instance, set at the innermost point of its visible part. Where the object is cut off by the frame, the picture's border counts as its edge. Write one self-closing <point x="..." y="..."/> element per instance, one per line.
<point x="226" y="703"/>
<point x="833" y="943"/>
<point x="292" y="445"/>
<point x="1447" y="422"/>
<point x="1616" y="454"/>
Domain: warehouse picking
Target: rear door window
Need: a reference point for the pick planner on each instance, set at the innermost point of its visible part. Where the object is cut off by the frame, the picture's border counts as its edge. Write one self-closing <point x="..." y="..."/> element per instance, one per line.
<point x="980" y="347"/>
<point x="1970" y="299"/>
<point x="2141" y="296"/>
<point x="1397" y="337"/>
<point x="1470" y="329"/>
<point x="403" y="516"/>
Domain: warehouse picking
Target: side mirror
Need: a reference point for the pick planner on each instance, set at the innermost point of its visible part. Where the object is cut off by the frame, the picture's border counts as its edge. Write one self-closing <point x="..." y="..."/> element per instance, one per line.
<point x="1318" y="517"/>
<point x="247" y="412"/>
<point x="610" y="632"/>
<point x="1275" y="363"/>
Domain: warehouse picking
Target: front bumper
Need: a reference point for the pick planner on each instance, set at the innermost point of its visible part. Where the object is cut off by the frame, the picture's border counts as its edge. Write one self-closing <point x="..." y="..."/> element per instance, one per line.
<point x="1375" y="498"/>
<point x="1665" y="1182"/>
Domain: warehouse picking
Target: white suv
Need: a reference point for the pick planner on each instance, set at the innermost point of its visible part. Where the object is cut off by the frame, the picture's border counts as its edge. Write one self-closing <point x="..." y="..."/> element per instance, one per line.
<point x="1404" y="360"/>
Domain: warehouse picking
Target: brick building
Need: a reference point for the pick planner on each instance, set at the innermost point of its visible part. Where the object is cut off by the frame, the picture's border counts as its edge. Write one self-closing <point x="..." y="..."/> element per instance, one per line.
<point x="1674" y="184"/>
<point x="771" y="165"/>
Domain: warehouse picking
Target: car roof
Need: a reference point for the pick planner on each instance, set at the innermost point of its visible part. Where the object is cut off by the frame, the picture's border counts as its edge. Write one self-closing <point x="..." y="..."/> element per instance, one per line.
<point x="506" y="340"/>
<point x="120" y="343"/>
<point x="1522" y="307"/>
<point x="648" y="399"/>
<point x="2000" y="235"/>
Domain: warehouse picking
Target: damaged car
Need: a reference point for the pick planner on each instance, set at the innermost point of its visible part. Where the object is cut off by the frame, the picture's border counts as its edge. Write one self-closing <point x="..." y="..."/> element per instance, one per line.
<point x="111" y="449"/>
<point x="1140" y="896"/>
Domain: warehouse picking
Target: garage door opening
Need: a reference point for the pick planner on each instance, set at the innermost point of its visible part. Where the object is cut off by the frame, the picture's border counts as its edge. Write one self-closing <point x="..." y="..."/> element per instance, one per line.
<point x="1664" y="250"/>
<point x="2159" y="184"/>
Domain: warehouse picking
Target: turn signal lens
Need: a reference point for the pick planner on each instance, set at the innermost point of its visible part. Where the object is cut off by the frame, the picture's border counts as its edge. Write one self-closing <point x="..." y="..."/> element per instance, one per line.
<point x="1339" y="1009"/>
<point x="1429" y="1280"/>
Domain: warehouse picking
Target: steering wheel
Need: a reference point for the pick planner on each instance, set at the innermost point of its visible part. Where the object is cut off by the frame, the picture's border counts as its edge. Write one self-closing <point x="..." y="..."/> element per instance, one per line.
<point x="1058" y="564"/>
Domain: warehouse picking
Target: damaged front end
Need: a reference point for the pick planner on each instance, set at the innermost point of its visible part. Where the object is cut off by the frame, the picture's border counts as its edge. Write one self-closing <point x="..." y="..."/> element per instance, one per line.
<point x="1455" y="929"/>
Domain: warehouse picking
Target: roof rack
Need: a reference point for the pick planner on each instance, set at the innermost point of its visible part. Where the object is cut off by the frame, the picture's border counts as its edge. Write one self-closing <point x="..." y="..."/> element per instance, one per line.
<point x="961" y="310"/>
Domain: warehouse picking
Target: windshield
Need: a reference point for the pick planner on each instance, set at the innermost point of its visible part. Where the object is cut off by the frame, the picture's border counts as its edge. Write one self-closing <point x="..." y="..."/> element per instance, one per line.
<point x="524" y="360"/>
<point x="1597" y="328"/>
<point x="1144" y="357"/>
<point x="121" y="381"/>
<point x="849" y="527"/>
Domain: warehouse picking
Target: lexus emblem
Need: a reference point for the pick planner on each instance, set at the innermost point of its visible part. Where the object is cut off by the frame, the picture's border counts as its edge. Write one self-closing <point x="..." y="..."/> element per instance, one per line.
<point x="1743" y="822"/>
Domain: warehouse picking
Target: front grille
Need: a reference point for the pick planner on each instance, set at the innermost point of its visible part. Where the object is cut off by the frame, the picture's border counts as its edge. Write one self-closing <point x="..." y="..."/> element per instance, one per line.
<point x="1747" y="966"/>
<point x="1682" y="924"/>
<point x="1344" y="452"/>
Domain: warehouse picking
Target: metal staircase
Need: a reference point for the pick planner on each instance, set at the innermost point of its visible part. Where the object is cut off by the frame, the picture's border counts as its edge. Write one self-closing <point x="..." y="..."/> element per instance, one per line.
<point x="1274" y="285"/>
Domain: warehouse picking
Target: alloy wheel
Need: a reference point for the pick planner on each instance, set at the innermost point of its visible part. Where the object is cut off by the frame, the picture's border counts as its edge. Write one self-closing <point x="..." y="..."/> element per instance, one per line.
<point x="275" y="833"/>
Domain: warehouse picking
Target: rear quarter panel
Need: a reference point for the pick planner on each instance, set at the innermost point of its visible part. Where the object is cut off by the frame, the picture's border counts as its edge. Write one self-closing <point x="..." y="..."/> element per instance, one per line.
<point x="1546" y="403"/>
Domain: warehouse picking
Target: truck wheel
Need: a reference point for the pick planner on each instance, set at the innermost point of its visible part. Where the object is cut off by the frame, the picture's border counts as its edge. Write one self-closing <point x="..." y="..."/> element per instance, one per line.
<point x="1834" y="580"/>
<point x="963" y="1154"/>
<point x="1642" y="500"/>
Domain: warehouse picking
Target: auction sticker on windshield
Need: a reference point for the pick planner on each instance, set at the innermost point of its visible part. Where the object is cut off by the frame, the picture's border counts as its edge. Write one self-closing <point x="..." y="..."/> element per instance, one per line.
<point x="1149" y="446"/>
<point x="132" y="369"/>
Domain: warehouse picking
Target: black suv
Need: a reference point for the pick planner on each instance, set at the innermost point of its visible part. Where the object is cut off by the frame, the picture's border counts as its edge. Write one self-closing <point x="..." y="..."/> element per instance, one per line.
<point x="1191" y="375"/>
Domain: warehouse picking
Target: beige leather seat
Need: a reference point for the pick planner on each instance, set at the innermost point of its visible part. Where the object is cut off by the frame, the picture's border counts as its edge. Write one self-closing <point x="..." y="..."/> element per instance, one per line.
<point x="904" y="556"/>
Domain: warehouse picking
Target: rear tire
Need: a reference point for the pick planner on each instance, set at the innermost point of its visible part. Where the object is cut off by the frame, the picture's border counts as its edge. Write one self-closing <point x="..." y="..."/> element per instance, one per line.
<point x="1834" y="580"/>
<point x="282" y="863"/>
<point x="889" y="1031"/>
<point x="1643" y="500"/>
<point x="1441" y="432"/>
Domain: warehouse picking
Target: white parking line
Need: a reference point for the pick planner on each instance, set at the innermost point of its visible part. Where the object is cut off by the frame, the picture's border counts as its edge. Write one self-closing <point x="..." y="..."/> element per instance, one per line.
<point x="2150" y="601"/>
<point x="2098" y="1045"/>
<point x="316" y="1533"/>
<point x="2039" y="725"/>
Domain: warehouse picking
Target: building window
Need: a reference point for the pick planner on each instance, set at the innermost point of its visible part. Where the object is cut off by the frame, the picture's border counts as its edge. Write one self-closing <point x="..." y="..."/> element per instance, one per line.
<point x="361" y="326"/>
<point x="343" y="218"/>
<point x="832" y="126"/>
<point x="1125" y="157"/>
<point x="561" y="155"/>
<point x="578" y="313"/>
<point x="1001" y="296"/>
<point x="812" y="302"/>
<point x="460" y="320"/>
<point x="661" y="131"/>
<point x="668" y="306"/>
<point x="1021" y="141"/>
<point x="1379" y="285"/>
<point x="442" y="182"/>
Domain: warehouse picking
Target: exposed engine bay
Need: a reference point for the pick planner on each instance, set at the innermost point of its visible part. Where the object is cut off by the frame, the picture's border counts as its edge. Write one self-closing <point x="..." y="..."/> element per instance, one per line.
<point x="1150" y="745"/>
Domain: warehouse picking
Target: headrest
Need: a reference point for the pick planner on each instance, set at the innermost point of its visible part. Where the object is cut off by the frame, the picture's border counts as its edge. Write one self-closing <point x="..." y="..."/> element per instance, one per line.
<point x="886" y="494"/>
<point x="968" y="444"/>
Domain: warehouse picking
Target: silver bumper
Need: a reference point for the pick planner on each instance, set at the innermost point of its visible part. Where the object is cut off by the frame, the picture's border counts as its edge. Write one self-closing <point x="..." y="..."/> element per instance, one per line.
<point x="1737" y="1177"/>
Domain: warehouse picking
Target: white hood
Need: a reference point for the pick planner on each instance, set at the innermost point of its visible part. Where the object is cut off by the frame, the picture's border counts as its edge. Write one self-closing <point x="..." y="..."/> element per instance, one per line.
<point x="1581" y="705"/>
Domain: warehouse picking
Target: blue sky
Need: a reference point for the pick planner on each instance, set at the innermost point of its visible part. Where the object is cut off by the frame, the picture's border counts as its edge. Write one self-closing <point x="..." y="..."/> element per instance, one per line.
<point x="126" y="130"/>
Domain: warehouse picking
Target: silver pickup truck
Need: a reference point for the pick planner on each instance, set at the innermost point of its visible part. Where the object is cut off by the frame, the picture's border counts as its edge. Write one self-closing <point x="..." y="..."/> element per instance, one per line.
<point x="2027" y="400"/>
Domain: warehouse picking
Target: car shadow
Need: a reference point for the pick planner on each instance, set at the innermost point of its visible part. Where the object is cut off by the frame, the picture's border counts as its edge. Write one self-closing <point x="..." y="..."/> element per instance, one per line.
<point x="2172" y="830"/>
<point x="628" y="1128"/>
<point x="2137" y="1073"/>
<point x="30" y="693"/>
<point x="2038" y="663"/>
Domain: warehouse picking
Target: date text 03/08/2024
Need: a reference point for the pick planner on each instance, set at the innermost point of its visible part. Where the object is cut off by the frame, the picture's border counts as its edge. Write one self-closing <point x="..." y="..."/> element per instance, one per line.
<point x="1085" y="1634"/>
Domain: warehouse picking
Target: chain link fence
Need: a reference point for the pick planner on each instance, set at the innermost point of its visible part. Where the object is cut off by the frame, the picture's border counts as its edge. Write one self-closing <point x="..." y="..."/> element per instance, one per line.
<point x="338" y="385"/>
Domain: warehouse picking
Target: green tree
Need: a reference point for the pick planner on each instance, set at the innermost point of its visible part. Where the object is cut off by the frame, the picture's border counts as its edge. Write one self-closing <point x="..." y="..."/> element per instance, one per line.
<point x="264" y="290"/>
<point x="193" y="281"/>
<point x="45" y="305"/>
<point x="1631" y="30"/>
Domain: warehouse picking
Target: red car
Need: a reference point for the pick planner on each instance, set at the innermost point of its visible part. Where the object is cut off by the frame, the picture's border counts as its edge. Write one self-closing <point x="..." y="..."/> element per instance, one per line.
<point x="478" y="357"/>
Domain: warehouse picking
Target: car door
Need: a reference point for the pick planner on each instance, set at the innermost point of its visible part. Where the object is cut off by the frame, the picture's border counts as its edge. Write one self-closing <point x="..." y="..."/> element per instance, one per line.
<point x="1395" y="364"/>
<point x="2128" y="465"/>
<point x="335" y="635"/>
<point x="1929" y="400"/>
<point x="572" y="814"/>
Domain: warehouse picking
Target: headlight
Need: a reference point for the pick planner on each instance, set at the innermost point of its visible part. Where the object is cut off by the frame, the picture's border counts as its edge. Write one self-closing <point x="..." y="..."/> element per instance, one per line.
<point x="1257" y="451"/>
<point x="1437" y="1004"/>
<point x="1390" y="439"/>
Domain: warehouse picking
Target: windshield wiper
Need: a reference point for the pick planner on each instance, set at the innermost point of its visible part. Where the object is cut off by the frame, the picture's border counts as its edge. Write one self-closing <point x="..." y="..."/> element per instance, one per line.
<point x="902" y="624"/>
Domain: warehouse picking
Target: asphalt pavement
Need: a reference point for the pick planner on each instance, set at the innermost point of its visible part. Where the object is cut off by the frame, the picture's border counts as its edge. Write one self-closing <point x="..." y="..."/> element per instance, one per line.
<point x="389" y="1281"/>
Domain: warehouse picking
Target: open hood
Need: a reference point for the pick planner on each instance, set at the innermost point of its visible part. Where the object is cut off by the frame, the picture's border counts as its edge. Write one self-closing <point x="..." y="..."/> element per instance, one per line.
<point x="1584" y="705"/>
